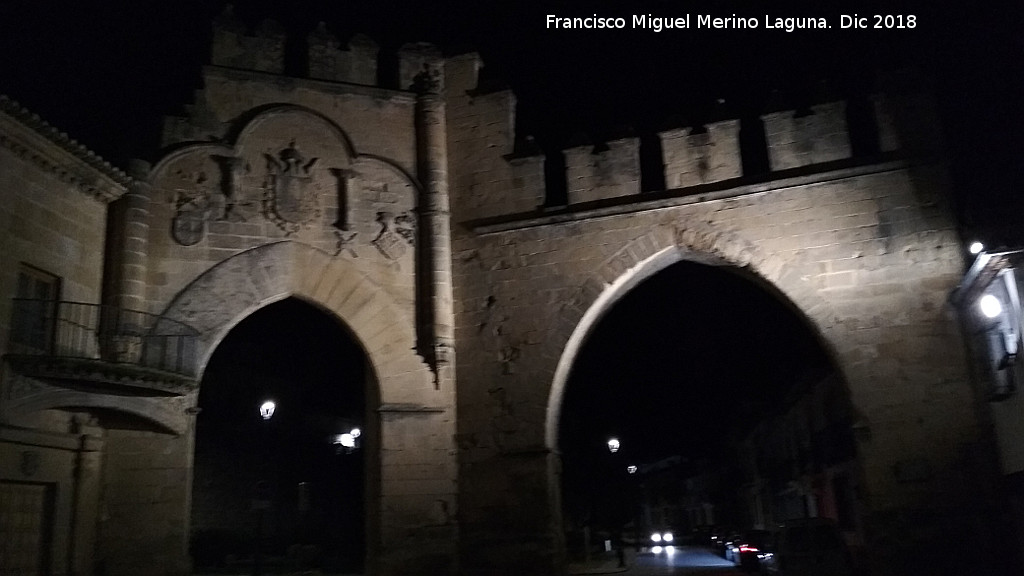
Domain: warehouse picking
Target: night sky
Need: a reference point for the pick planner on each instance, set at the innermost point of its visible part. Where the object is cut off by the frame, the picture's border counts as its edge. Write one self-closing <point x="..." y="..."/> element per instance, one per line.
<point x="107" y="71"/>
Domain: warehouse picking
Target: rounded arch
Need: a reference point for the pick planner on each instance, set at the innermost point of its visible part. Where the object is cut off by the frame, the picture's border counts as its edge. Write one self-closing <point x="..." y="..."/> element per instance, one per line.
<point x="225" y="294"/>
<point x="646" y="256"/>
<point x="251" y="120"/>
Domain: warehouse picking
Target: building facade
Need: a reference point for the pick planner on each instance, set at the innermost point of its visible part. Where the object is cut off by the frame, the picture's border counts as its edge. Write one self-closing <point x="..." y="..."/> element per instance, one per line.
<point x="409" y="215"/>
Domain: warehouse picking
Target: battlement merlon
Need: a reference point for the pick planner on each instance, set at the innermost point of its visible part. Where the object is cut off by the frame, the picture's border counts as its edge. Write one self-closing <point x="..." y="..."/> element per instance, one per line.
<point x="700" y="155"/>
<point x="608" y="170"/>
<point x="802" y="138"/>
<point x="234" y="47"/>
<point x="327" y="61"/>
<point x="488" y="177"/>
<point x="421" y="67"/>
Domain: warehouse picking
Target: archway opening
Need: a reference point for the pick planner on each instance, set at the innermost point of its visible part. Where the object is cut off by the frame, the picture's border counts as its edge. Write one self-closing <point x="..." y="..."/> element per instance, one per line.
<point x="726" y="410"/>
<point x="284" y="490"/>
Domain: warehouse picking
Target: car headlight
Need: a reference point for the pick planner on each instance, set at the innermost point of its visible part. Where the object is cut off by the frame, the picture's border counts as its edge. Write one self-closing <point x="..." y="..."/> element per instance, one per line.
<point x="667" y="537"/>
<point x="656" y="537"/>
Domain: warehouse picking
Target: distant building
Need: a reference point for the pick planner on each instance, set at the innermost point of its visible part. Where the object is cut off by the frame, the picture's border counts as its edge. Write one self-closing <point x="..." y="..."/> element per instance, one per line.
<point x="801" y="461"/>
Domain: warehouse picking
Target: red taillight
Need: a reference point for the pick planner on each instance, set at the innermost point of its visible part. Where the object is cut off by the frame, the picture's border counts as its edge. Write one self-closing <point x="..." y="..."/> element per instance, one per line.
<point x="748" y="549"/>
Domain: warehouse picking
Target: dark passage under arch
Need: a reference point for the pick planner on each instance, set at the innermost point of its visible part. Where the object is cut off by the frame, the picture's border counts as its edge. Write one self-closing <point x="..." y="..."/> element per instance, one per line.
<point x="286" y="474"/>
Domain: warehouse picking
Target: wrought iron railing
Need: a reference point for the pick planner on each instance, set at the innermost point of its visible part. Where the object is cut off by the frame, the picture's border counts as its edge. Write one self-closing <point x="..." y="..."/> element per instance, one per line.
<point x="98" y="332"/>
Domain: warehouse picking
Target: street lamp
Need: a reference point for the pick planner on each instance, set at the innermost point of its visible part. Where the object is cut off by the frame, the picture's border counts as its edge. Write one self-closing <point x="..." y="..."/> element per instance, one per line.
<point x="348" y="440"/>
<point x="261" y="498"/>
<point x="990" y="306"/>
<point x="613" y="445"/>
<point x="976" y="247"/>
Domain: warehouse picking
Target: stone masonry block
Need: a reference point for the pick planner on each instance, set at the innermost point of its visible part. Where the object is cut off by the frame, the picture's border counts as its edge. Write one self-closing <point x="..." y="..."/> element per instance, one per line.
<point x="604" y="171"/>
<point x="804" y="139"/>
<point x="693" y="157"/>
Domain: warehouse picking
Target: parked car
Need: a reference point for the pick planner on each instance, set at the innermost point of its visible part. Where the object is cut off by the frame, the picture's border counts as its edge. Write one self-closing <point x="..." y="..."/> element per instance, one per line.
<point x="701" y="535"/>
<point x="746" y="549"/>
<point x="719" y="537"/>
<point x="808" y="547"/>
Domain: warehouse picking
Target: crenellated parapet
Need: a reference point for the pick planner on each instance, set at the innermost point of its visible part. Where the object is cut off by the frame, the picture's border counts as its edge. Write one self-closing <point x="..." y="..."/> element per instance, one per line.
<point x="607" y="170"/>
<point x="235" y="47"/>
<point x="489" y="177"/>
<point x="702" y="154"/>
<point x="815" y="135"/>
<point x="327" y="61"/>
<point x="262" y="49"/>
<point x="420" y="68"/>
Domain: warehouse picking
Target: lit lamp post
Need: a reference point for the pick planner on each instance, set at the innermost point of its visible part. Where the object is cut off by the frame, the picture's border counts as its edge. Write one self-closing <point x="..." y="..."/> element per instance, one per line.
<point x="348" y="441"/>
<point x="261" y="496"/>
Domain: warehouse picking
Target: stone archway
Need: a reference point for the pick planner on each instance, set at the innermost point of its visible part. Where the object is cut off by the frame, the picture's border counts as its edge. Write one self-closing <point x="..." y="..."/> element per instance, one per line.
<point x="413" y="418"/>
<point x="306" y="361"/>
<point x="650" y="254"/>
<point x="655" y="251"/>
<point x="233" y="289"/>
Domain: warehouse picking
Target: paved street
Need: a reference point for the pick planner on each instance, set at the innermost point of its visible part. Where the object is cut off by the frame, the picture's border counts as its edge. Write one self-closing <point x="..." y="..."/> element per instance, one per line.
<point x="690" y="560"/>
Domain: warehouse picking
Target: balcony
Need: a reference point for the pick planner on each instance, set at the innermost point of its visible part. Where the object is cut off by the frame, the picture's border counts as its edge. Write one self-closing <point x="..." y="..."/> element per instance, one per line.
<point x="102" y="349"/>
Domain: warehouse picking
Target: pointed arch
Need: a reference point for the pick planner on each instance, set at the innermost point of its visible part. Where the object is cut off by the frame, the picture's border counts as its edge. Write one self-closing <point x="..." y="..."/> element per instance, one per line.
<point x="230" y="291"/>
<point x="651" y="253"/>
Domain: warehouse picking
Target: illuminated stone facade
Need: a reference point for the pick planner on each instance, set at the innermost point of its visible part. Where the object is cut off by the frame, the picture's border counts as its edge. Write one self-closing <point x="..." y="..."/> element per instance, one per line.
<point x="408" y="215"/>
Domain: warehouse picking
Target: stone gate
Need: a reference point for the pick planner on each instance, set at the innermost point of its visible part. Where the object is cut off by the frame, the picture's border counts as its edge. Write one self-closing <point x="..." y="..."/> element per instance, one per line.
<point x="409" y="215"/>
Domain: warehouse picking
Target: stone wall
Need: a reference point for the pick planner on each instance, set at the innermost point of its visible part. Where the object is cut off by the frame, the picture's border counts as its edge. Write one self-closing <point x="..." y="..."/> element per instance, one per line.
<point x="868" y="252"/>
<point x="52" y="213"/>
<point x="486" y="177"/>
<point x="146" y="491"/>
<point x="607" y="170"/>
<point x="693" y="157"/>
<point x="805" y="137"/>
<point x="53" y="198"/>
<point x="281" y="187"/>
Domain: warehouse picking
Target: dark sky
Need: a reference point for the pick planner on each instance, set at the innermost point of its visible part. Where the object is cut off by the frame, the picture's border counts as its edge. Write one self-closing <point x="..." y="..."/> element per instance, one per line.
<point x="107" y="71"/>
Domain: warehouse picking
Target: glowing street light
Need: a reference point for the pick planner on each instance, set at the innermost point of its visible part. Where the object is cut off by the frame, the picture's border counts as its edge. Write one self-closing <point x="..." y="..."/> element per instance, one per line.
<point x="990" y="306"/>
<point x="267" y="409"/>
<point x="631" y="469"/>
<point x="976" y="247"/>
<point x="613" y="445"/>
<point x="347" y="440"/>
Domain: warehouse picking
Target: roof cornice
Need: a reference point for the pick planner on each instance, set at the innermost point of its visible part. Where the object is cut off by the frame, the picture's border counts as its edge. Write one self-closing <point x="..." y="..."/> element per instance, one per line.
<point x="32" y="138"/>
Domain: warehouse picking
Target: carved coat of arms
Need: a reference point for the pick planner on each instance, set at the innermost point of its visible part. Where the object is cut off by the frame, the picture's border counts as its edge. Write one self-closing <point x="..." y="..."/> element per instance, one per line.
<point x="290" y="197"/>
<point x="396" y="231"/>
<point x="191" y="209"/>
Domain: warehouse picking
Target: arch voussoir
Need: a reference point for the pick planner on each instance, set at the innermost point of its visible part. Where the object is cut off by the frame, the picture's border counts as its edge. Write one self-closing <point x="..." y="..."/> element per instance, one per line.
<point x="648" y="254"/>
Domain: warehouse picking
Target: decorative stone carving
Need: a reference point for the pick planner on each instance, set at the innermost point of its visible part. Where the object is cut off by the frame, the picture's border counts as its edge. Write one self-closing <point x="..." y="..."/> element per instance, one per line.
<point x="344" y="243"/>
<point x="229" y="188"/>
<point x="290" y="191"/>
<point x="395" y="233"/>
<point x="428" y="81"/>
<point x="343" y="222"/>
<point x="192" y="208"/>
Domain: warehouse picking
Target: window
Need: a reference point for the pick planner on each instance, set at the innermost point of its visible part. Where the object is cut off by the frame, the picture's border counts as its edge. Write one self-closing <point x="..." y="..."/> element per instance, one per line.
<point x="35" y="303"/>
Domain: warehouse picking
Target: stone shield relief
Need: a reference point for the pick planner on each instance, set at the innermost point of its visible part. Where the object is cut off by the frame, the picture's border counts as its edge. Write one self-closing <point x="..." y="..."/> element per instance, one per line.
<point x="291" y="193"/>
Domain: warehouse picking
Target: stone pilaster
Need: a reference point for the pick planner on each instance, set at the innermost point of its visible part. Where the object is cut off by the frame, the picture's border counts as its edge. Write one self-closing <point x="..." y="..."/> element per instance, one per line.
<point x="436" y="316"/>
<point x="128" y="251"/>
